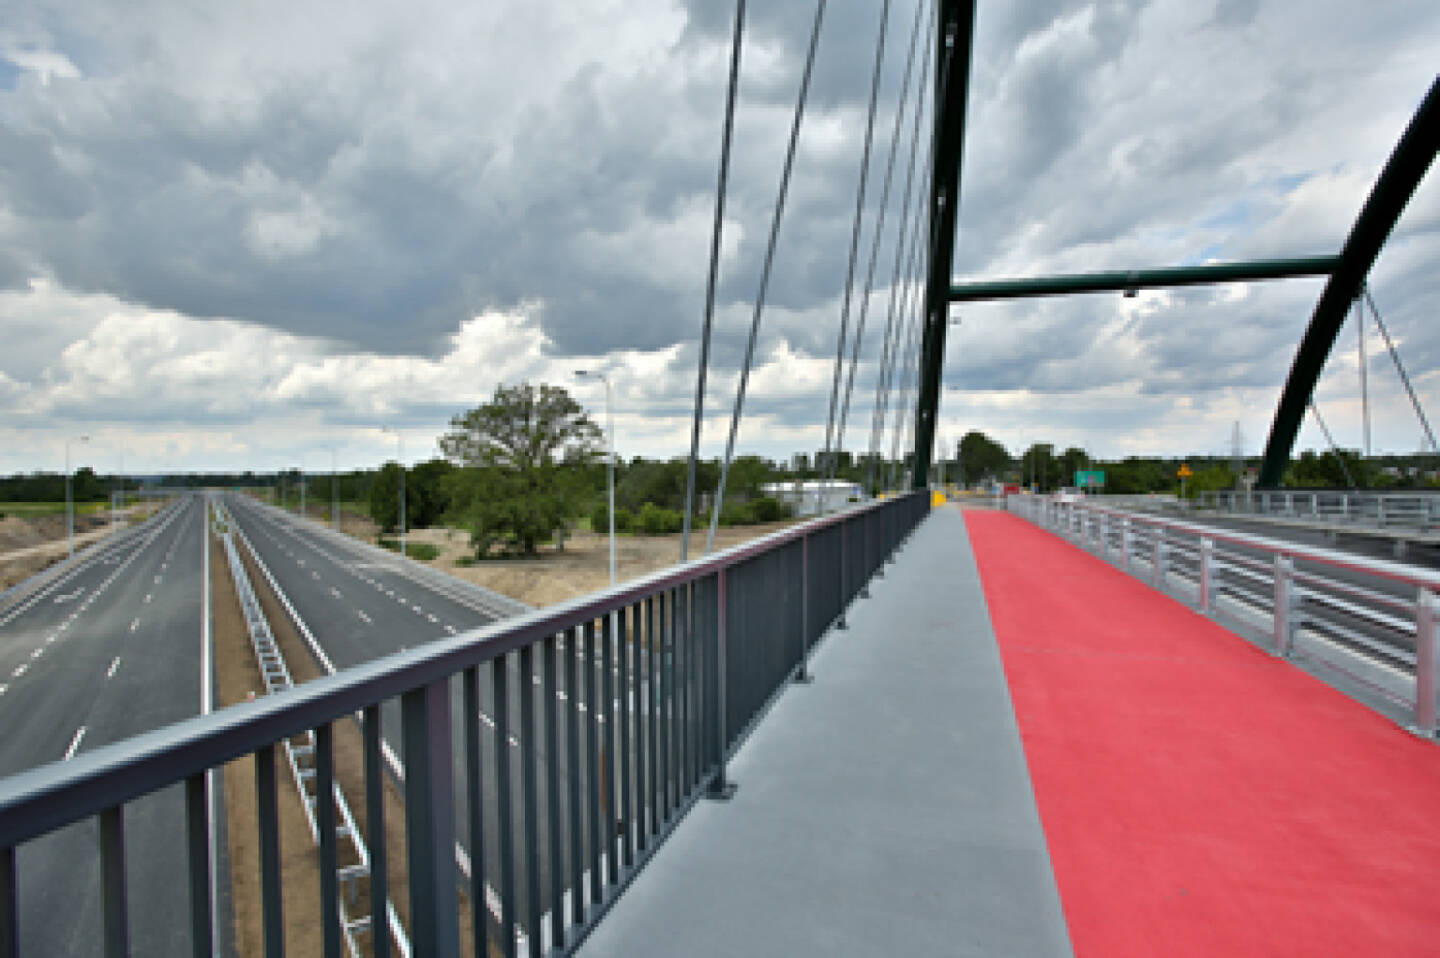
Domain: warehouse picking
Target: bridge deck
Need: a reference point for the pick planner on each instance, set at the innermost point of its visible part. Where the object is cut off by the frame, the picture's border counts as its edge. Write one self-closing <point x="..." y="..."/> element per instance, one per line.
<point x="1198" y="796"/>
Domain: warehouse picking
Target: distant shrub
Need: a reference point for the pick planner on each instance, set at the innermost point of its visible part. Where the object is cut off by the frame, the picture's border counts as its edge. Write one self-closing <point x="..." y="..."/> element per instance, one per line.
<point x="736" y="514"/>
<point x="424" y="551"/>
<point x="768" y="509"/>
<point x="655" y="521"/>
<point x="600" y="520"/>
<point x="465" y="562"/>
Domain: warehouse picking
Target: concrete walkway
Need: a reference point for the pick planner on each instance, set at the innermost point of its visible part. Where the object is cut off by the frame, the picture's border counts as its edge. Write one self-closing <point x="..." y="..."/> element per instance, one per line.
<point x="884" y="809"/>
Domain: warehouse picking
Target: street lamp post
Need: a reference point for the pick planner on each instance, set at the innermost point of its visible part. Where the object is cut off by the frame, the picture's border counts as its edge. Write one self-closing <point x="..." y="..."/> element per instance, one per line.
<point x="610" y="459"/>
<point x="334" y="491"/>
<point x="69" y="501"/>
<point x="400" y="461"/>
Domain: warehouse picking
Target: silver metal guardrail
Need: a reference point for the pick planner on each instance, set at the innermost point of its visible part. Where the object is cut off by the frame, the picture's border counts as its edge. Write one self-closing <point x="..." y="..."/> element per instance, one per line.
<point x="1373" y="620"/>
<point x="686" y="660"/>
<point x="1381" y="510"/>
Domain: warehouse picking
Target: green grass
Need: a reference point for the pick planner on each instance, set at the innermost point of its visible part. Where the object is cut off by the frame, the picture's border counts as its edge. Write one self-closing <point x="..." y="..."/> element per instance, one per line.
<point x="30" y="509"/>
<point x="424" y="551"/>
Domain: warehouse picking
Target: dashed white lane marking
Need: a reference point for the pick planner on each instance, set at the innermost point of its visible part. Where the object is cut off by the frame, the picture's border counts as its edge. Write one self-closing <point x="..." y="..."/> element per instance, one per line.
<point x="159" y="579"/>
<point x="38" y="652"/>
<point x="50" y="640"/>
<point x="74" y="744"/>
<point x="19" y="670"/>
<point x="135" y="624"/>
<point x="450" y="629"/>
<point x="335" y="592"/>
<point x="3" y="688"/>
<point x="149" y="596"/>
<point x="361" y="613"/>
<point x="418" y="610"/>
<point x="431" y="617"/>
<point x="114" y="664"/>
<point x="314" y="574"/>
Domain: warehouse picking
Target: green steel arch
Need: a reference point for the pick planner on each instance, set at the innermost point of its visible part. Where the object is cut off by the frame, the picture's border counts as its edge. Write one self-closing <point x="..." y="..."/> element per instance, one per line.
<point x="1392" y="191"/>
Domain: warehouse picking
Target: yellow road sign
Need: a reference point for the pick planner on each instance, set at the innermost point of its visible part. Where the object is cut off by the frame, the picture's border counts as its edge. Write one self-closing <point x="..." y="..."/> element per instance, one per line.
<point x="1185" y="471"/>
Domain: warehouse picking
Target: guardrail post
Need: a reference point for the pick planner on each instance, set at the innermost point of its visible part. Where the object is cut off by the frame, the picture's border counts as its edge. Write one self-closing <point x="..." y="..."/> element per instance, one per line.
<point x="1104" y="536"/>
<point x="1125" y="544"/>
<point x="1157" y="564"/>
<point x="720" y="788"/>
<point x="1380" y="510"/>
<point x="430" y="820"/>
<point x="1207" y="575"/>
<point x="1426" y="662"/>
<point x="1284" y="617"/>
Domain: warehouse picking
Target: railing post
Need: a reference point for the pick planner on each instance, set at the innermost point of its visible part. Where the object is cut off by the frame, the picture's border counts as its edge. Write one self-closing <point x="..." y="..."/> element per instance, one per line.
<point x="1125" y="544"/>
<point x="720" y="787"/>
<point x="430" y="820"/>
<point x="844" y="598"/>
<point x="1104" y="536"/>
<point x="1284" y="618"/>
<point x="1207" y="574"/>
<point x="1157" y="564"/>
<point x="1380" y="510"/>
<point x="801" y="674"/>
<point x="1426" y="663"/>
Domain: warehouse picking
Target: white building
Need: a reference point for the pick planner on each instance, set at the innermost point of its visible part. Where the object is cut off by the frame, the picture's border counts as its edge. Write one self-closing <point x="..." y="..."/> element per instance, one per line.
<point x="810" y="497"/>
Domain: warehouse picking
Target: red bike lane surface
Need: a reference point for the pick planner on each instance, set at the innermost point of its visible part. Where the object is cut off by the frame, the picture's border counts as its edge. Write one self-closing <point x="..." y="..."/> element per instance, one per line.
<point x="1199" y="796"/>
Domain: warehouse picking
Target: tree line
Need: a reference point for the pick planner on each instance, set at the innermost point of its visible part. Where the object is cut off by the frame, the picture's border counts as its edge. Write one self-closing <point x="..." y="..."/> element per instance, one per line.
<point x="982" y="459"/>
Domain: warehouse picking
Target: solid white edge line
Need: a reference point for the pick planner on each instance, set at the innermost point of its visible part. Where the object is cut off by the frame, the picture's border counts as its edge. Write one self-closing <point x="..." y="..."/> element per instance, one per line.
<point x="74" y="744"/>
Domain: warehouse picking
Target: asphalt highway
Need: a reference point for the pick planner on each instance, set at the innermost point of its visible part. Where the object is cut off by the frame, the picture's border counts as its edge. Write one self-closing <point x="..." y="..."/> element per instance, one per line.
<point x="359" y="603"/>
<point x="112" y="648"/>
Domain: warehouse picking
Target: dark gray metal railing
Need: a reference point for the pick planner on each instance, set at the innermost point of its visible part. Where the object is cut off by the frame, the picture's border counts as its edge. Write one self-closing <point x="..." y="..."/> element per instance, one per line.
<point x="677" y="666"/>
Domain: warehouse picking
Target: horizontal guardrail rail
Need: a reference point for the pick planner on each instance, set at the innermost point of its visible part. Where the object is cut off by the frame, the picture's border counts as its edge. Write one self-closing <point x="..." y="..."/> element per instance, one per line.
<point x="1379" y="613"/>
<point x="676" y="667"/>
<point x="1381" y="510"/>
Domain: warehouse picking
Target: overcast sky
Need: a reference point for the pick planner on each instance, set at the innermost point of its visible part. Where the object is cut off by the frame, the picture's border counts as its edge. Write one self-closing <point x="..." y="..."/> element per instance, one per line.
<point x="242" y="235"/>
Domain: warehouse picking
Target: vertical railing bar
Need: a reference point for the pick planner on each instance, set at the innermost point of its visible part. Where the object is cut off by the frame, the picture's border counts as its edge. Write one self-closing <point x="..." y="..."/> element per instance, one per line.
<point x="720" y="788"/>
<point x="627" y="697"/>
<point x="550" y="705"/>
<point x="475" y="811"/>
<point x="268" y="816"/>
<point x="197" y="837"/>
<point x="9" y="906"/>
<point x="639" y="638"/>
<point x="682" y="691"/>
<point x="667" y="699"/>
<point x="500" y="701"/>
<point x="112" y="878"/>
<point x="325" y="827"/>
<point x="592" y="764"/>
<point x="425" y="730"/>
<point x="652" y="643"/>
<point x="375" y="828"/>
<point x="530" y="799"/>
<point x="576" y="841"/>
<point x="608" y="763"/>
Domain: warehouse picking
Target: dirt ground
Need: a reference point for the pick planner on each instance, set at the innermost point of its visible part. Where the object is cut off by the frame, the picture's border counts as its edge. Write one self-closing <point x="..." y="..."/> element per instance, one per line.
<point x="239" y="676"/>
<point x="30" y="544"/>
<point x="583" y="566"/>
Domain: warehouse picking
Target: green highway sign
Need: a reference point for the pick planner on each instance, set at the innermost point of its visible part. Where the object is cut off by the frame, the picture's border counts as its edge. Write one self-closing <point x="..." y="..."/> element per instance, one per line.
<point x="1089" y="478"/>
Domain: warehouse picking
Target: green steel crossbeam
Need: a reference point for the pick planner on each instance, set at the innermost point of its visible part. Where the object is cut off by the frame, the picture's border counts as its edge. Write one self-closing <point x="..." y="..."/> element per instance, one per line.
<point x="1125" y="281"/>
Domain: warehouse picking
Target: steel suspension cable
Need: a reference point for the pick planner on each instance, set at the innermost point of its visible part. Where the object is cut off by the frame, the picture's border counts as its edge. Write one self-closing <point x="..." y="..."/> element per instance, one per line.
<point x="855" y="237"/>
<point x="858" y="338"/>
<point x="909" y="369"/>
<point x="765" y="273"/>
<point x="1395" y="355"/>
<point x="900" y="290"/>
<point x="714" y="270"/>
<point x="909" y="239"/>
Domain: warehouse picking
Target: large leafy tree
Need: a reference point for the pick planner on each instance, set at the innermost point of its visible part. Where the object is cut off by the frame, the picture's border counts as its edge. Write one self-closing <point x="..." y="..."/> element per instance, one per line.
<point x="523" y="456"/>
<point x="982" y="458"/>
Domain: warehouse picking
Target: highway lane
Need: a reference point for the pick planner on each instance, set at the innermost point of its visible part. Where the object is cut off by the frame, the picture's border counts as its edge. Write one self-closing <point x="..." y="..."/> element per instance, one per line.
<point x="360" y="604"/>
<point x="110" y="650"/>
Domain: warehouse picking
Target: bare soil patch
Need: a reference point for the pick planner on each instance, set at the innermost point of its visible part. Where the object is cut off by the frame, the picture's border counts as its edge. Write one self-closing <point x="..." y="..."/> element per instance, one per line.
<point x="302" y="891"/>
<point x="31" y="544"/>
<point x="581" y="567"/>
